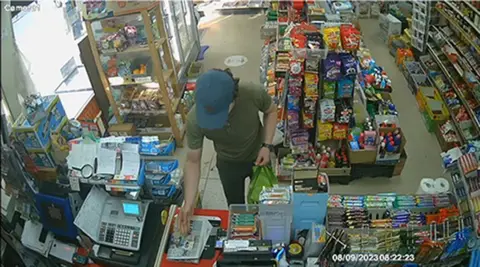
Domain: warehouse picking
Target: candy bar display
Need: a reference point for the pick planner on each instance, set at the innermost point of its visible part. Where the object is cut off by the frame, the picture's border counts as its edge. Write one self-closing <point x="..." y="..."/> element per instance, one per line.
<point x="136" y="67"/>
<point x="397" y="211"/>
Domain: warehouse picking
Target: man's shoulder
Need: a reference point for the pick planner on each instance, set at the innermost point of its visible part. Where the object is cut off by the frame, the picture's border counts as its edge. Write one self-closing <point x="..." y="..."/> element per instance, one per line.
<point x="249" y="89"/>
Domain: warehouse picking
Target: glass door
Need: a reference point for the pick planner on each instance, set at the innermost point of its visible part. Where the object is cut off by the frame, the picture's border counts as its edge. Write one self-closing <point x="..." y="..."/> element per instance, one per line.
<point x="181" y="23"/>
<point x="170" y="21"/>
<point x="183" y="30"/>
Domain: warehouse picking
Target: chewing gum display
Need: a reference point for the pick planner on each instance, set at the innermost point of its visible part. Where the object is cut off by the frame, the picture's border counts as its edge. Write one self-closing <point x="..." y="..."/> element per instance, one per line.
<point x="243" y="226"/>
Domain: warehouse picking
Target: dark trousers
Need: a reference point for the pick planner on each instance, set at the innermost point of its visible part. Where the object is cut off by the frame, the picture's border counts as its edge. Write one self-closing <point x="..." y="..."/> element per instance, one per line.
<point x="233" y="174"/>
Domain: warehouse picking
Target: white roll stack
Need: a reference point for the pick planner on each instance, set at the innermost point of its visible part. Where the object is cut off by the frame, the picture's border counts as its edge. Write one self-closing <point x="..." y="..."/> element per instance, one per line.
<point x="429" y="186"/>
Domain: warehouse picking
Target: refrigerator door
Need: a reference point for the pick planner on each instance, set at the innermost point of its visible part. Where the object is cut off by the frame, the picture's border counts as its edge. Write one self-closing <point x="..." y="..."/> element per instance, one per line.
<point x="171" y="28"/>
<point x="185" y="42"/>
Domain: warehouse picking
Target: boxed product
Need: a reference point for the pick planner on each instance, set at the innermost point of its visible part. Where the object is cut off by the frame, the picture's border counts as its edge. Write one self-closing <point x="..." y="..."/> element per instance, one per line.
<point x="37" y="136"/>
<point x="401" y="164"/>
<point x="362" y="155"/>
<point x="390" y="146"/>
<point x="123" y="129"/>
<point x="43" y="158"/>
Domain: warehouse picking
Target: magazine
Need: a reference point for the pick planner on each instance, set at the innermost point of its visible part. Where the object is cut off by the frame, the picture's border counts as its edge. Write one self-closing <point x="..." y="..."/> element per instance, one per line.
<point x="189" y="247"/>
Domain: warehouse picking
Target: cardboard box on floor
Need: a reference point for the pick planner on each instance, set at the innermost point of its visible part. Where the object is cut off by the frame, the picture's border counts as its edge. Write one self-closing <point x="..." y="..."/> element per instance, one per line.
<point x="401" y="164"/>
<point x="362" y="155"/>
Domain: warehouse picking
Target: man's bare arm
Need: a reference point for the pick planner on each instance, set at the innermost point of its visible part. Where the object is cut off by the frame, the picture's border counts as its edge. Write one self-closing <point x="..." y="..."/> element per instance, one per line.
<point x="192" y="176"/>
<point x="270" y="123"/>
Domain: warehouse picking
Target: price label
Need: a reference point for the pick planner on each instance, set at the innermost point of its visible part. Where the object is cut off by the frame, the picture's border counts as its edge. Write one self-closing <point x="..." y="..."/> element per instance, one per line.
<point x="147" y="79"/>
<point x="74" y="183"/>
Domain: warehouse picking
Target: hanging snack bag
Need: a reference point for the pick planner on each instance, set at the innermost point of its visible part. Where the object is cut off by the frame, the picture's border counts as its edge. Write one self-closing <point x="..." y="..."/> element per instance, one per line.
<point x="332" y="67"/>
<point x="311" y="84"/>
<point x="293" y="103"/>
<point x="331" y="37"/>
<point x="308" y="120"/>
<point x="324" y="131"/>
<point x="309" y="104"/>
<point x="345" y="88"/>
<point x="340" y="131"/>
<point x="293" y="122"/>
<point x="349" y="64"/>
<point x="327" y="110"/>
<point x="344" y="115"/>
<point x="295" y="81"/>
<point x="350" y="37"/>
<point x="311" y="64"/>
<point x="296" y="67"/>
<point x="329" y="89"/>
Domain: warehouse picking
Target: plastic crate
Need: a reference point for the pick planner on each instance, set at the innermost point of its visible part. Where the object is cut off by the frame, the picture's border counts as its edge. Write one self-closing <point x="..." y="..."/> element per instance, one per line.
<point x="276" y="221"/>
<point x="429" y="123"/>
<point x="437" y="110"/>
<point x="414" y="67"/>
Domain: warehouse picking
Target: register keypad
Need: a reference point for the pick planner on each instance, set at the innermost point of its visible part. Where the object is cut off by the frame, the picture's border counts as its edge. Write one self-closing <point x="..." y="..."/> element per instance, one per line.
<point x="121" y="235"/>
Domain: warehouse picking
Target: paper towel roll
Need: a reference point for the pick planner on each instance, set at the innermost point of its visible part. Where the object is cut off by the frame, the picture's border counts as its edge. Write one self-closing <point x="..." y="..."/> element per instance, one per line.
<point x="427" y="186"/>
<point x="441" y="185"/>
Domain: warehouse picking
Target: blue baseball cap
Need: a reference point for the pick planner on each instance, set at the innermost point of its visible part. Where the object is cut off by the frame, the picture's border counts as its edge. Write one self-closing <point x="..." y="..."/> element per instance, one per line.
<point x="215" y="90"/>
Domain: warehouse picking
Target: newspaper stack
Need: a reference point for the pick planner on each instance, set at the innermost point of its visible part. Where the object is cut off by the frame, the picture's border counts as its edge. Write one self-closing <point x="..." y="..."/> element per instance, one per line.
<point x="189" y="248"/>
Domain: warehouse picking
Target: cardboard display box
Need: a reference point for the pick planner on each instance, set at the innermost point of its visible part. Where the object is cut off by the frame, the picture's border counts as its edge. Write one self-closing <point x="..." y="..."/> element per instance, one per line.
<point x="362" y="156"/>
<point x="401" y="164"/>
<point x="124" y="129"/>
<point x="390" y="158"/>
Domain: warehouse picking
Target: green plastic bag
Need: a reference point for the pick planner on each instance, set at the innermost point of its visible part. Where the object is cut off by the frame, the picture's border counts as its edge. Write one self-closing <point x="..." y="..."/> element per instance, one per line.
<point x="263" y="176"/>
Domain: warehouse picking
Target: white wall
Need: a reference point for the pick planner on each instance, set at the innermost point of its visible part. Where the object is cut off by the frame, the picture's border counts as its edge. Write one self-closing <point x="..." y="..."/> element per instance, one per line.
<point x="14" y="79"/>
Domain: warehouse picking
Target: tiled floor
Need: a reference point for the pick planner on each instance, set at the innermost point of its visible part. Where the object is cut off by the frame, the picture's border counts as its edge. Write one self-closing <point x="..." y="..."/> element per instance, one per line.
<point x="239" y="35"/>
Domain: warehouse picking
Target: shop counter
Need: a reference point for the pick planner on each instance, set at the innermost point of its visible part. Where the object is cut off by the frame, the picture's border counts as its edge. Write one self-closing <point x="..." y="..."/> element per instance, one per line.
<point x="223" y="215"/>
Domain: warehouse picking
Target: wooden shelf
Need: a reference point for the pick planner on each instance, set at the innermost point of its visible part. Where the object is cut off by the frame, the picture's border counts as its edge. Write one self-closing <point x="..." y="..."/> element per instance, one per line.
<point x="160" y="77"/>
<point x="120" y="81"/>
<point x="134" y="49"/>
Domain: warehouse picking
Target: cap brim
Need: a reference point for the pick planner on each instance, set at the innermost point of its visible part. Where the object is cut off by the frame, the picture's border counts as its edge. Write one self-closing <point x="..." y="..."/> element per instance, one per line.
<point x="211" y="121"/>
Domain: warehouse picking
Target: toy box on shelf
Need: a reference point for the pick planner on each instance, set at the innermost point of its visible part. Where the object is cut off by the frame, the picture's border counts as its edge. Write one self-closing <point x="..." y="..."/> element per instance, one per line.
<point x="43" y="158"/>
<point x="37" y="136"/>
<point x="91" y="120"/>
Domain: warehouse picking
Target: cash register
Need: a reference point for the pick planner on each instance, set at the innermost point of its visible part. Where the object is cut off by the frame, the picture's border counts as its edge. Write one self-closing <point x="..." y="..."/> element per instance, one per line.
<point x="121" y="225"/>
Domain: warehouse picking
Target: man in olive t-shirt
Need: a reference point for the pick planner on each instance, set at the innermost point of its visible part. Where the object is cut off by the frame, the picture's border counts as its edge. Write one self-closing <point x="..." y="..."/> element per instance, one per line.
<point x="226" y="112"/>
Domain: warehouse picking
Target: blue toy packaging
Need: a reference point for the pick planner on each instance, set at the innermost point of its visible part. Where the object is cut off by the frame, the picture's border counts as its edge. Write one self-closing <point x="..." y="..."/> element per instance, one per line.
<point x="37" y="136"/>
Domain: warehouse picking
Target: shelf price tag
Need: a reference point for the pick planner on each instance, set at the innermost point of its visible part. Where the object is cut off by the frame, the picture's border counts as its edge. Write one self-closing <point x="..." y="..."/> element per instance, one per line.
<point x="146" y="79"/>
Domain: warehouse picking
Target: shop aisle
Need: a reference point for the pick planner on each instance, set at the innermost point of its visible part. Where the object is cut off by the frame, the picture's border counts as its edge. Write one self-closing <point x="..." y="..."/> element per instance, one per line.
<point x="422" y="148"/>
<point x="239" y="35"/>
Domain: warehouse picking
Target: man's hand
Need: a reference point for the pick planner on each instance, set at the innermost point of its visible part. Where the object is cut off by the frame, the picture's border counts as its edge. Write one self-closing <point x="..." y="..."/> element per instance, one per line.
<point x="263" y="157"/>
<point x="184" y="217"/>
